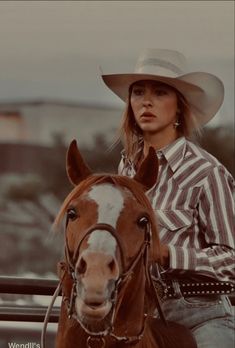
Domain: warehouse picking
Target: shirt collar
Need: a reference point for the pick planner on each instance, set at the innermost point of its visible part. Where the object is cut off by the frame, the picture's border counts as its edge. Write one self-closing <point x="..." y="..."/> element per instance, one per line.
<point x="174" y="153"/>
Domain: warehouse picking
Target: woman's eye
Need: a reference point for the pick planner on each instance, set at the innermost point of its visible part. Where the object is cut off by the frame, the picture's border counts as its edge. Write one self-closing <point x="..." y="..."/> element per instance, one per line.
<point x="160" y="92"/>
<point x="137" y="91"/>
<point x="72" y="214"/>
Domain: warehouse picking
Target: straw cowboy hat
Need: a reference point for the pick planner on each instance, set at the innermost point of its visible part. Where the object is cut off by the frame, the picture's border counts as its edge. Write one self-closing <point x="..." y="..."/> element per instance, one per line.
<point x="203" y="91"/>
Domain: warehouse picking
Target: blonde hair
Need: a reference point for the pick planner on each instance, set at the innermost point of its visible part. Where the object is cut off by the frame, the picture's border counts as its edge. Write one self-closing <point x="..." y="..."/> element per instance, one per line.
<point x="131" y="135"/>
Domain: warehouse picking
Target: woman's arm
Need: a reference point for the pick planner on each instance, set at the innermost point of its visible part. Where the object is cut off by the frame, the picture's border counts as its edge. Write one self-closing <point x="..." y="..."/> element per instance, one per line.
<point x="216" y="222"/>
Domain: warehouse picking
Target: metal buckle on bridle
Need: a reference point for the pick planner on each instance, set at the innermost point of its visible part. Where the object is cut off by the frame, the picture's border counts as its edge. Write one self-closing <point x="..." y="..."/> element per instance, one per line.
<point x="91" y="339"/>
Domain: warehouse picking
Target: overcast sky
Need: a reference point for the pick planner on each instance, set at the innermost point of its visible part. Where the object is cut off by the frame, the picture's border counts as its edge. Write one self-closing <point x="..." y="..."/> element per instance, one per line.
<point x="53" y="49"/>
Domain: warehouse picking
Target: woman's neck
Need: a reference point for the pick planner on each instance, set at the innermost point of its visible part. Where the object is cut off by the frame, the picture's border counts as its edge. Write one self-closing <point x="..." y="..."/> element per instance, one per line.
<point x="158" y="141"/>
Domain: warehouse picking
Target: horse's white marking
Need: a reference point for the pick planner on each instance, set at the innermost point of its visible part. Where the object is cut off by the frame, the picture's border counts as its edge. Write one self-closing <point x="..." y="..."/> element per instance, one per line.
<point x="110" y="203"/>
<point x="102" y="241"/>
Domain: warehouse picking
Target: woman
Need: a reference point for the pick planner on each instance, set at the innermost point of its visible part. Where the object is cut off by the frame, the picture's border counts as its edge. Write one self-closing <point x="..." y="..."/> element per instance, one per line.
<point x="193" y="196"/>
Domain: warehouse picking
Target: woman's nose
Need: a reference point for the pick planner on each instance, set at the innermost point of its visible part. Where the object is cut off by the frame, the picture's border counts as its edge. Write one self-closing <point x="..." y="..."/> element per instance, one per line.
<point x="147" y="99"/>
<point x="147" y="102"/>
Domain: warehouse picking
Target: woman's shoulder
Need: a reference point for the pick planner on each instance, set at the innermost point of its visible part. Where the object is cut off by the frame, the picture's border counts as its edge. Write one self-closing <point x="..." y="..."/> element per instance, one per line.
<point x="206" y="159"/>
<point x="201" y="153"/>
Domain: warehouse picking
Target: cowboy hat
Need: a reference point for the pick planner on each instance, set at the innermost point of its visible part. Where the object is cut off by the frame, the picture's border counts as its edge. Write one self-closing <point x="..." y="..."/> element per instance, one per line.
<point x="203" y="91"/>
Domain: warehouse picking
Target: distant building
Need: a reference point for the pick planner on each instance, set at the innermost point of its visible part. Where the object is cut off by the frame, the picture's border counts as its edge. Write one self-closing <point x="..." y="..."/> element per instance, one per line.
<point x="39" y="122"/>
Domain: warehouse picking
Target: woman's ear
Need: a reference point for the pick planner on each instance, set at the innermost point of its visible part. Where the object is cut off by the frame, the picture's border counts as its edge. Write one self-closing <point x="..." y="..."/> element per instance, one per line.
<point x="77" y="169"/>
<point x="148" y="171"/>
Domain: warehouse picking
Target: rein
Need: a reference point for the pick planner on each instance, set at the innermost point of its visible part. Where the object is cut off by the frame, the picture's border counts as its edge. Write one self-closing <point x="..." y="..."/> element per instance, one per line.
<point x="121" y="283"/>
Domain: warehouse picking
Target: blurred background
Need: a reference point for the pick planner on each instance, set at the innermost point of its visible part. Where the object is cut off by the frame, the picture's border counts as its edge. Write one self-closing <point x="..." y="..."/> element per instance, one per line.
<point x="51" y="57"/>
<point x="51" y="92"/>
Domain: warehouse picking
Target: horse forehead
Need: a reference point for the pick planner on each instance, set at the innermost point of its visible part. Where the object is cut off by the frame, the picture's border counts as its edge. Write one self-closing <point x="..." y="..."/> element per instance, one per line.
<point x="110" y="201"/>
<point x="108" y="194"/>
<point x="102" y="241"/>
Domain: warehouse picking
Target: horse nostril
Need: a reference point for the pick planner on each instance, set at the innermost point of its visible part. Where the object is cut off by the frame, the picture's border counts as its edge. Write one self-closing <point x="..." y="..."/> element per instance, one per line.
<point x="82" y="266"/>
<point x="112" y="265"/>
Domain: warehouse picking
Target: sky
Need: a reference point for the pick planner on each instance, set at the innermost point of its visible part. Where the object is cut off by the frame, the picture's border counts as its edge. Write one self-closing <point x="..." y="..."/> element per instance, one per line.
<point x="57" y="49"/>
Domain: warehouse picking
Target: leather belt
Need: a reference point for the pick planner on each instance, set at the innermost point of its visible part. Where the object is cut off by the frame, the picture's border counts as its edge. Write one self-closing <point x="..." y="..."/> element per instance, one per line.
<point x="176" y="289"/>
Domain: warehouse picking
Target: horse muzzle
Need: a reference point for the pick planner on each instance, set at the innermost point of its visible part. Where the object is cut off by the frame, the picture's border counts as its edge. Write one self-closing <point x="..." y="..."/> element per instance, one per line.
<point x="94" y="299"/>
<point x="89" y="311"/>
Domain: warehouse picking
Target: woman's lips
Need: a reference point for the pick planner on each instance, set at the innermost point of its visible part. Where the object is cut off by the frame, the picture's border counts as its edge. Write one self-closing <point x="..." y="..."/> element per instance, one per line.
<point x="147" y="116"/>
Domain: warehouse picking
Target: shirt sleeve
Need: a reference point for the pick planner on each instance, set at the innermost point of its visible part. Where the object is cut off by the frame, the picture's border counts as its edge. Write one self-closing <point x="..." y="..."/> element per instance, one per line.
<point x="216" y="222"/>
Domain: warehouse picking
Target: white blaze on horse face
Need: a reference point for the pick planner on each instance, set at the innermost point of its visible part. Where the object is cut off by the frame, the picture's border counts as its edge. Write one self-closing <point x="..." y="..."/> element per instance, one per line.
<point x="102" y="241"/>
<point x="110" y="203"/>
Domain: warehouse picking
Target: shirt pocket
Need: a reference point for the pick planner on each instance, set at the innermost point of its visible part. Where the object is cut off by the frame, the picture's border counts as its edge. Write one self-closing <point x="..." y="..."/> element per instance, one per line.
<point x="174" y="219"/>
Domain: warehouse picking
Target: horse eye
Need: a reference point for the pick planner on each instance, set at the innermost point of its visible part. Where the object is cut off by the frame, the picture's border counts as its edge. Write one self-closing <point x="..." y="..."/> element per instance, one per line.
<point x="72" y="214"/>
<point x="143" y="221"/>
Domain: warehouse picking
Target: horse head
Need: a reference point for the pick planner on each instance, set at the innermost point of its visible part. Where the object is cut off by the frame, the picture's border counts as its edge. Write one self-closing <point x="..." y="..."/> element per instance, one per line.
<point x="110" y="241"/>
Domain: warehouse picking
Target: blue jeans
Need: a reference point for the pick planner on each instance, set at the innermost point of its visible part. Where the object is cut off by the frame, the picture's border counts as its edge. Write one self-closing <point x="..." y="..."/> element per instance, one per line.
<point x="210" y="318"/>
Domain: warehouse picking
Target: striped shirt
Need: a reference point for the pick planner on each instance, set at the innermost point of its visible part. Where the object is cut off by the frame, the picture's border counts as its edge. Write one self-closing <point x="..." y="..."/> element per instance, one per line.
<point x="194" y="204"/>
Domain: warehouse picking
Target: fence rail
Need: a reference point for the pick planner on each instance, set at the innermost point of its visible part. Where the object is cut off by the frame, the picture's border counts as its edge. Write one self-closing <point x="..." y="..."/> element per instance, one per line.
<point x="29" y="286"/>
<point x="32" y="286"/>
<point x="27" y="313"/>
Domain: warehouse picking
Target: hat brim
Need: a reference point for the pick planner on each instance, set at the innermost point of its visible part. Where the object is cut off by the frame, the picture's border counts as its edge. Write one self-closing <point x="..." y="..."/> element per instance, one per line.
<point x="203" y="91"/>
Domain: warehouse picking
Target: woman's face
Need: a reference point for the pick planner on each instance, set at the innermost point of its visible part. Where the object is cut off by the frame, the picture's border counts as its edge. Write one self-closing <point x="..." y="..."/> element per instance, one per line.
<point x="154" y="105"/>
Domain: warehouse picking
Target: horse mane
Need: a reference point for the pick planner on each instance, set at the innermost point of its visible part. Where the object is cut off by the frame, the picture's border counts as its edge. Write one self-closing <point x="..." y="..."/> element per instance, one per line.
<point x="118" y="180"/>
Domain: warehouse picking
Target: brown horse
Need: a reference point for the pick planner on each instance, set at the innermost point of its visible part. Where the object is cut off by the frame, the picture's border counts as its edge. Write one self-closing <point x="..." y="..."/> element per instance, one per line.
<point x="111" y="240"/>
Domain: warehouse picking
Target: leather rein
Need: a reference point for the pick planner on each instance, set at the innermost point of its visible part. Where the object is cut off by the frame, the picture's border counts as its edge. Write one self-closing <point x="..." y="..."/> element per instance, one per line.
<point x="120" y="283"/>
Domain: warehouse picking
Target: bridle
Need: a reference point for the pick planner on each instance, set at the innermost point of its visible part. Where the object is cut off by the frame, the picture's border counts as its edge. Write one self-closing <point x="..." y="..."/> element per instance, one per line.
<point x="120" y="284"/>
<point x="71" y="259"/>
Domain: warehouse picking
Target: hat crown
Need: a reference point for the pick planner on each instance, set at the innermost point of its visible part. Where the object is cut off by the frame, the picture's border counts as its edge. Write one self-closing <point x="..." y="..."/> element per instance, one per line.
<point x="162" y="62"/>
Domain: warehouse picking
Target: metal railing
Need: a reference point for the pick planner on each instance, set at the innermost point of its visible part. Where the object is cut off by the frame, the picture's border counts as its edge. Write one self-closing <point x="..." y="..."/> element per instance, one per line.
<point x="32" y="286"/>
<point x="29" y="286"/>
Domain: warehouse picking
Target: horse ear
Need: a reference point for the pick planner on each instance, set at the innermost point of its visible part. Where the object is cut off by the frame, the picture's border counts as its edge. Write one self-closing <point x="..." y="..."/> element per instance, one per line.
<point x="77" y="169"/>
<point x="148" y="170"/>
